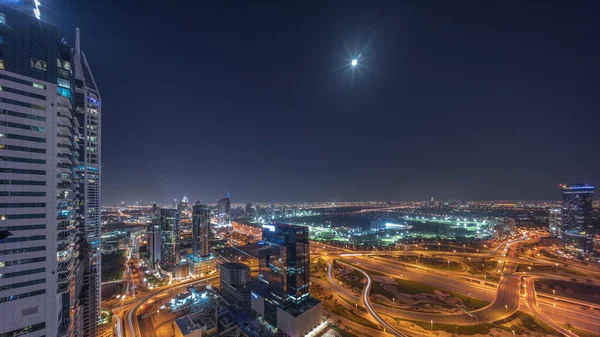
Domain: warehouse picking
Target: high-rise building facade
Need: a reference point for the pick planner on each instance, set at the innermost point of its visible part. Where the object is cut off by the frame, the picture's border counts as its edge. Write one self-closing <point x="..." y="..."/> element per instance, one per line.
<point x="284" y="300"/>
<point x="555" y="222"/>
<point x="235" y="283"/>
<point x="154" y="244"/>
<point x="284" y="262"/>
<point x="577" y="222"/>
<point x="88" y="111"/>
<point x="200" y="230"/>
<point x="224" y="211"/>
<point x="169" y="227"/>
<point x="41" y="261"/>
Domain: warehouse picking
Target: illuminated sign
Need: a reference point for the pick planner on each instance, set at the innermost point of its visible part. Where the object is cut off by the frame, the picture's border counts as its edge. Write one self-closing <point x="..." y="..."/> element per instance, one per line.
<point x="38" y="64"/>
<point x="36" y="9"/>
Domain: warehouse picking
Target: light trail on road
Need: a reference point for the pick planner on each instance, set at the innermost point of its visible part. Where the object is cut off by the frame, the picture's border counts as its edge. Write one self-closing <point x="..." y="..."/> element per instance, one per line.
<point x="367" y="302"/>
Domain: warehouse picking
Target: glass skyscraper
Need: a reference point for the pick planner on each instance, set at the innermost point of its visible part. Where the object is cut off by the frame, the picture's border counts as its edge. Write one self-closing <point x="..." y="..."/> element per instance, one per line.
<point x="224" y="211"/>
<point x="284" y="262"/>
<point x="577" y="223"/>
<point x="555" y="222"/>
<point x="283" y="299"/>
<point x="169" y="227"/>
<point x="88" y="111"/>
<point x="200" y="230"/>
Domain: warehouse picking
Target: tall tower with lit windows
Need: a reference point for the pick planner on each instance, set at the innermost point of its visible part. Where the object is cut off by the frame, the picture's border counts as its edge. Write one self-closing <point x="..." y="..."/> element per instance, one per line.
<point x="88" y="110"/>
<point x="39" y="138"/>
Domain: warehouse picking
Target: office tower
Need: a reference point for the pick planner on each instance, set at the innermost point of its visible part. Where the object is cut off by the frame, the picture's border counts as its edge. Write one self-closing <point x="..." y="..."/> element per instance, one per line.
<point x="248" y="209"/>
<point x="577" y="222"/>
<point x="284" y="269"/>
<point x="224" y="211"/>
<point x="184" y="202"/>
<point x="40" y="261"/>
<point x="154" y="244"/>
<point x="555" y="222"/>
<point x="284" y="262"/>
<point x="235" y="283"/>
<point x="169" y="226"/>
<point x="200" y="230"/>
<point x="88" y="112"/>
<point x="154" y="209"/>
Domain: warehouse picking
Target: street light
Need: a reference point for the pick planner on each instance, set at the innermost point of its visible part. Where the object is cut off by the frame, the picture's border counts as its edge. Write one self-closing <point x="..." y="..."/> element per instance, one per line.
<point x="431" y="326"/>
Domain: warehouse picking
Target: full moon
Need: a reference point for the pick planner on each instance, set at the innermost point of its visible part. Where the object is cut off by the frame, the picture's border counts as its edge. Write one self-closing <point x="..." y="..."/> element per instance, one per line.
<point x="354" y="62"/>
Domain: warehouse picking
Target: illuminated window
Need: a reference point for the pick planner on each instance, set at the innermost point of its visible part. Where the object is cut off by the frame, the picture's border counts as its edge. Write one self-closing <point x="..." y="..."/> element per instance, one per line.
<point x="39" y="86"/>
<point x="2" y="18"/>
<point x="1" y="64"/>
<point x="64" y="92"/>
<point x="64" y="83"/>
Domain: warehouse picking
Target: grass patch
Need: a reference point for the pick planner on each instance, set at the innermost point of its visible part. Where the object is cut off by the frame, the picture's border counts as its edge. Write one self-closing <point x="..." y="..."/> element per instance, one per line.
<point x="413" y="288"/>
<point x="579" y="332"/>
<point x="578" y="291"/>
<point x="343" y="312"/>
<point x="471" y="303"/>
<point x="378" y="288"/>
<point x="529" y="323"/>
<point x="342" y="333"/>
<point x="354" y="304"/>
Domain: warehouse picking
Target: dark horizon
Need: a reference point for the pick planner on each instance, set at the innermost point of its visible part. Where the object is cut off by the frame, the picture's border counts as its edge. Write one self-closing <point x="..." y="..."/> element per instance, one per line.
<point x="464" y="101"/>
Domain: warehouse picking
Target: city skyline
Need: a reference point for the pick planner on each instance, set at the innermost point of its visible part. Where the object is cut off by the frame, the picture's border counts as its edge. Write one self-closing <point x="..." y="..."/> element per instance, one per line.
<point x="476" y="101"/>
<point x="371" y="169"/>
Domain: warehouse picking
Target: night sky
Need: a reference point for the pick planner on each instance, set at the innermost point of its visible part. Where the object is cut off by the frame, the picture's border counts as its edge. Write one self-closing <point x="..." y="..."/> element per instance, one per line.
<point x="472" y="100"/>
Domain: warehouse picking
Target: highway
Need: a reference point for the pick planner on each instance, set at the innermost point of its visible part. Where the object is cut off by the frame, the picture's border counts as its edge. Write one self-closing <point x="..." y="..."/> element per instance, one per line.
<point x="367" y="302"/>
<point x="133" y="329"/>
<point x="531" y="301"/>
<point x="505" y="303"/>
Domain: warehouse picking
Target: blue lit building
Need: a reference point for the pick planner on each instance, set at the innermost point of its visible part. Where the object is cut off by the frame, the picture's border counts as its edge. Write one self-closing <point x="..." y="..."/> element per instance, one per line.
<point x="224" y="211"/>
<point x="577" y="224"/>
<point x="284" y="300"/>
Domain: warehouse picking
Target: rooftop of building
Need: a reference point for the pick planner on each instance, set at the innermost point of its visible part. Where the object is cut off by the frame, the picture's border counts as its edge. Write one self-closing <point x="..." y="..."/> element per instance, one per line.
<point x="195" y="321"/>
<point x="197" y="259"/>
<point x="235" y="266"/>
<point x="274" y="225"/>
<point x="577" y="187"/>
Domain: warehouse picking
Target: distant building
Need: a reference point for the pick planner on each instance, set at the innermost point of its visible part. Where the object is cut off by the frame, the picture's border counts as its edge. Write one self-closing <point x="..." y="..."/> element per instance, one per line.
<point x="504" y="228"/>
<point x="248" y="209"/>
<point x="235" y="283"/>
<point x="577" y="223"/>
<point x="169" y="226"/>
<point x="555" y="222"/>
<point x="550" y="241"/>
<point x="200" y="230"/>
<point x="154" y="244"/>
<point x="284" y="270"/>
<point x="224" y="211"/>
